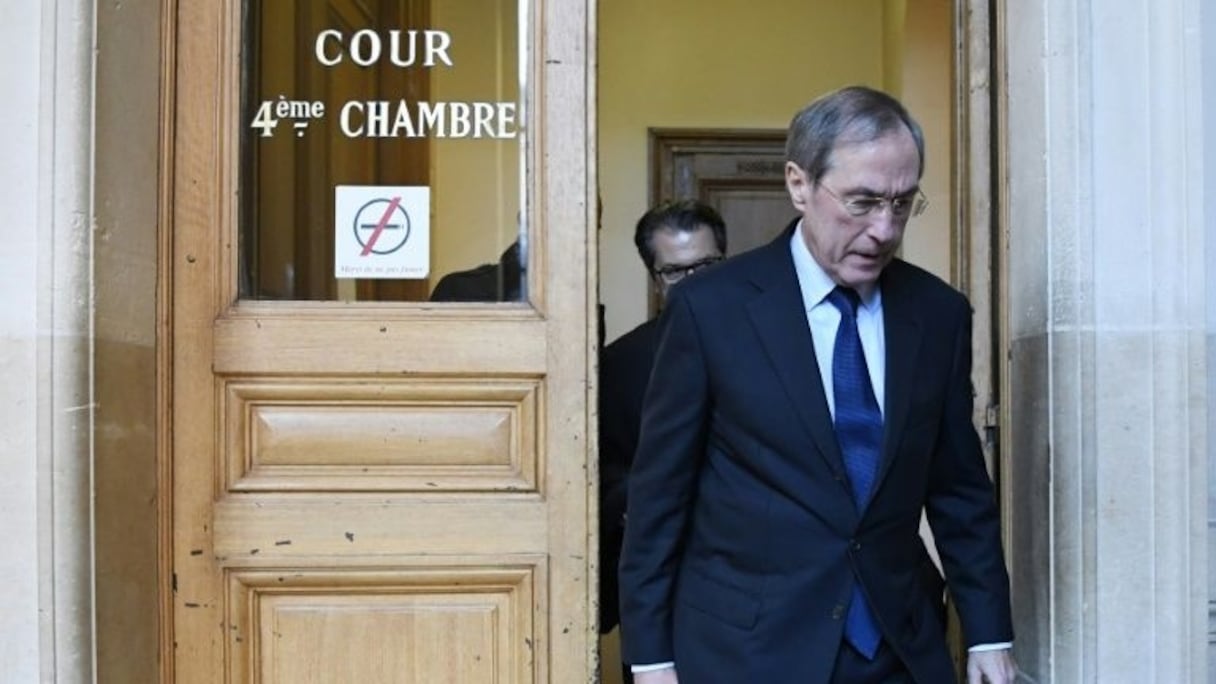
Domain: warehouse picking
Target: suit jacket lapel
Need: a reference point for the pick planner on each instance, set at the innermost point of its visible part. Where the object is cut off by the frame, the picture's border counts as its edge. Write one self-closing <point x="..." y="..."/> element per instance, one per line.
<point x="903" y="338"/>
<point x="779" y="316"/>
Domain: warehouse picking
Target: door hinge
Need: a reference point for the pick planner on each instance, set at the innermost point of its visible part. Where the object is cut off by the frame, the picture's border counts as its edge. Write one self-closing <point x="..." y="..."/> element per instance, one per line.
<point x="992" y="425"/>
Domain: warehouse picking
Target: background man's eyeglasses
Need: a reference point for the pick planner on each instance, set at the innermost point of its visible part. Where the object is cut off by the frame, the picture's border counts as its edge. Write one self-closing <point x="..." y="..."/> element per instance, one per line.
<point x="911" y="204"/>
<point x="674" y="273"/>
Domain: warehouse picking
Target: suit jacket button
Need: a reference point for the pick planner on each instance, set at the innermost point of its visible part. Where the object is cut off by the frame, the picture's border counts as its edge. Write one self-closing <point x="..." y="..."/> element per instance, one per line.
<point x="838" y="612"/>
<point x="855" y="545"/>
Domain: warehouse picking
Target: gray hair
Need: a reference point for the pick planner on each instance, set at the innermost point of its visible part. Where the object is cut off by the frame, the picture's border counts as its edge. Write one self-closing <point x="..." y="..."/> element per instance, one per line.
<point x="849" y="115"/>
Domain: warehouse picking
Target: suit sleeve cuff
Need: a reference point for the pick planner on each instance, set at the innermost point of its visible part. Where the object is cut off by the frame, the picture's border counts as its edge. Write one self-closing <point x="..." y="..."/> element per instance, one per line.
<point x="652" y="667"/>
<point x="980" y="648"/>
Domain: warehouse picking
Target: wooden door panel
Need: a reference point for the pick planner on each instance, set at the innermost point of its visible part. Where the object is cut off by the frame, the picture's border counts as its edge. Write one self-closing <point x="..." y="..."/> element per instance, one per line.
<point x="434" y="435"/>
<point x="755" y="213"/>
<point x="423" y="624"/>
<point x="292" y="337"/>
<point x="252" y="531"/>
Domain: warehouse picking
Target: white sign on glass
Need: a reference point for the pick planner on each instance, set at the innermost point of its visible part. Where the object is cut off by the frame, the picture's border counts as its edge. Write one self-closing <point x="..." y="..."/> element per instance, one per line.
<point x="382" y="231"/>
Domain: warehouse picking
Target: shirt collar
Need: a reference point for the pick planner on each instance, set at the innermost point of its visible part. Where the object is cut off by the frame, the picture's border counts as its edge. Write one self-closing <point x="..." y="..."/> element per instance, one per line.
<point x="814" y="282"/>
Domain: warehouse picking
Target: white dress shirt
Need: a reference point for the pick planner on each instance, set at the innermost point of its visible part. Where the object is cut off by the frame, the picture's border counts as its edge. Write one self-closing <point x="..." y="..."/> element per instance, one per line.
<point x="824" y="318"/>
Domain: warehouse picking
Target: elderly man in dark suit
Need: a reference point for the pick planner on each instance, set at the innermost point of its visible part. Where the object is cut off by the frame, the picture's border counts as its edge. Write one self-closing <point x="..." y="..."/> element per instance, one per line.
<point x="809" y="399"/>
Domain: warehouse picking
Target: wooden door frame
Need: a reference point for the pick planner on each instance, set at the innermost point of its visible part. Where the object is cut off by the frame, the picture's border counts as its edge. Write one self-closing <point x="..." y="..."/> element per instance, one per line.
<point x="978" y="218"/>
<point x="974" y="225"/>
<point x="167" y="583"/>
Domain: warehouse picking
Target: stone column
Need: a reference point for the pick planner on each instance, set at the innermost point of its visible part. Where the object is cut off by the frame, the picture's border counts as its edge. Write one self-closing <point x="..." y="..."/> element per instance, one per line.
<point x="45" y="340"/>
<point x="1104" y="460"/>
<point x="1208" y="58"/>
<point x="19" y="347"/>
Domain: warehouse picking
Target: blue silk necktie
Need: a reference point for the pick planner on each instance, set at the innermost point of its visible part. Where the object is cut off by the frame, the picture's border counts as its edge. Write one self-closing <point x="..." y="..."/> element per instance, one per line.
<point x="858" y="423"/>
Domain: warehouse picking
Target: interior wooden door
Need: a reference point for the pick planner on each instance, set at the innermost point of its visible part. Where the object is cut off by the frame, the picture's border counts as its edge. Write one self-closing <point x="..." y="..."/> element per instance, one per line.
<point x="375" y="491"/>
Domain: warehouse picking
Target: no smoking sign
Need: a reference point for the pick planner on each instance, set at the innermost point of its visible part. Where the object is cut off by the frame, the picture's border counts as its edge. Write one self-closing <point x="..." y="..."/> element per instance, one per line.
<point x="382" y="231"/>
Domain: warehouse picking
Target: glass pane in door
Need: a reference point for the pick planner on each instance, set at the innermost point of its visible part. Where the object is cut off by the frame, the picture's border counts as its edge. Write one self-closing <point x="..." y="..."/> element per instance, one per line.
<point x="381" y="151"/>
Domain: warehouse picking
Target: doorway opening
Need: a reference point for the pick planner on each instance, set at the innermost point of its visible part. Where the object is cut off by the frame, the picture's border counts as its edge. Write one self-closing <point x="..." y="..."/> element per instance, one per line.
<point x="694" y="104"/>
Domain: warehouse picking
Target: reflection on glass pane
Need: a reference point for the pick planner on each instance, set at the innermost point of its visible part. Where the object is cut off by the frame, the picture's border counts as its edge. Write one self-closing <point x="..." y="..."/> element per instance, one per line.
<point x="394" y="94"/>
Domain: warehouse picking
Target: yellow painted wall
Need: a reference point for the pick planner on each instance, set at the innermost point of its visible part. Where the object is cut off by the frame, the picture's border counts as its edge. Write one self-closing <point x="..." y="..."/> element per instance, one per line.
<point x="736" y="64"/>
<point x="474" y="183"/>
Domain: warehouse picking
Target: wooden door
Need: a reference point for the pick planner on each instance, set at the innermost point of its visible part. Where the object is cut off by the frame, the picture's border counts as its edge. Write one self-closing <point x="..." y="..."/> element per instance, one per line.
<point x="375" y="491"/>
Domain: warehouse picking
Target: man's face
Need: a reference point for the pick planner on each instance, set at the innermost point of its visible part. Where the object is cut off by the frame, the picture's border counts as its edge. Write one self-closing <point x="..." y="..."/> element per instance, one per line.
<point x="853" y="220"/>
<point x="677" y="253"/>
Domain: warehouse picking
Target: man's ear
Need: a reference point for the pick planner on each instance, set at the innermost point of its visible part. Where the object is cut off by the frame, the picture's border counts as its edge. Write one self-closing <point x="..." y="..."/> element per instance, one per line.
<point x="798" y="185"/>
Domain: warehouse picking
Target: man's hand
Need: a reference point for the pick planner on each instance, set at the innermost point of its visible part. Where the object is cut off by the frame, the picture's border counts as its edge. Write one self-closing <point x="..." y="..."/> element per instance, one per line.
<point x="665" y="676"/>
<point x="992" y="667"/>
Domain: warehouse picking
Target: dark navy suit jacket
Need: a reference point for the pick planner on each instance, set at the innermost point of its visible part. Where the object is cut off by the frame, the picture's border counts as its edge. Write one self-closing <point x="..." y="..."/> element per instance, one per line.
<point x="624" y="372"/>
<point x="743" y="541"/>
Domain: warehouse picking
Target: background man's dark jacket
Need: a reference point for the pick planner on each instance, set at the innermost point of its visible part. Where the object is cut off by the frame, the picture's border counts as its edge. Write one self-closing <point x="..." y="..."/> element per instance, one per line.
<point x="624" y="371"/>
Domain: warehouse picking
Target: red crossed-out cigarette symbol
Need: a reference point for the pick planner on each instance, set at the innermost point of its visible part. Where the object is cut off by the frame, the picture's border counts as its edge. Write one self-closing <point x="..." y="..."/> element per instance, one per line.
<point x="386" y="222"/>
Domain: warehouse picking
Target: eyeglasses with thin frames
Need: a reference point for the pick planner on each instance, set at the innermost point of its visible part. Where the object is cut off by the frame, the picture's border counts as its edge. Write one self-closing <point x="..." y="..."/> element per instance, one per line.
<point x="903" y="206"/>
<point x="676" y="272"/>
